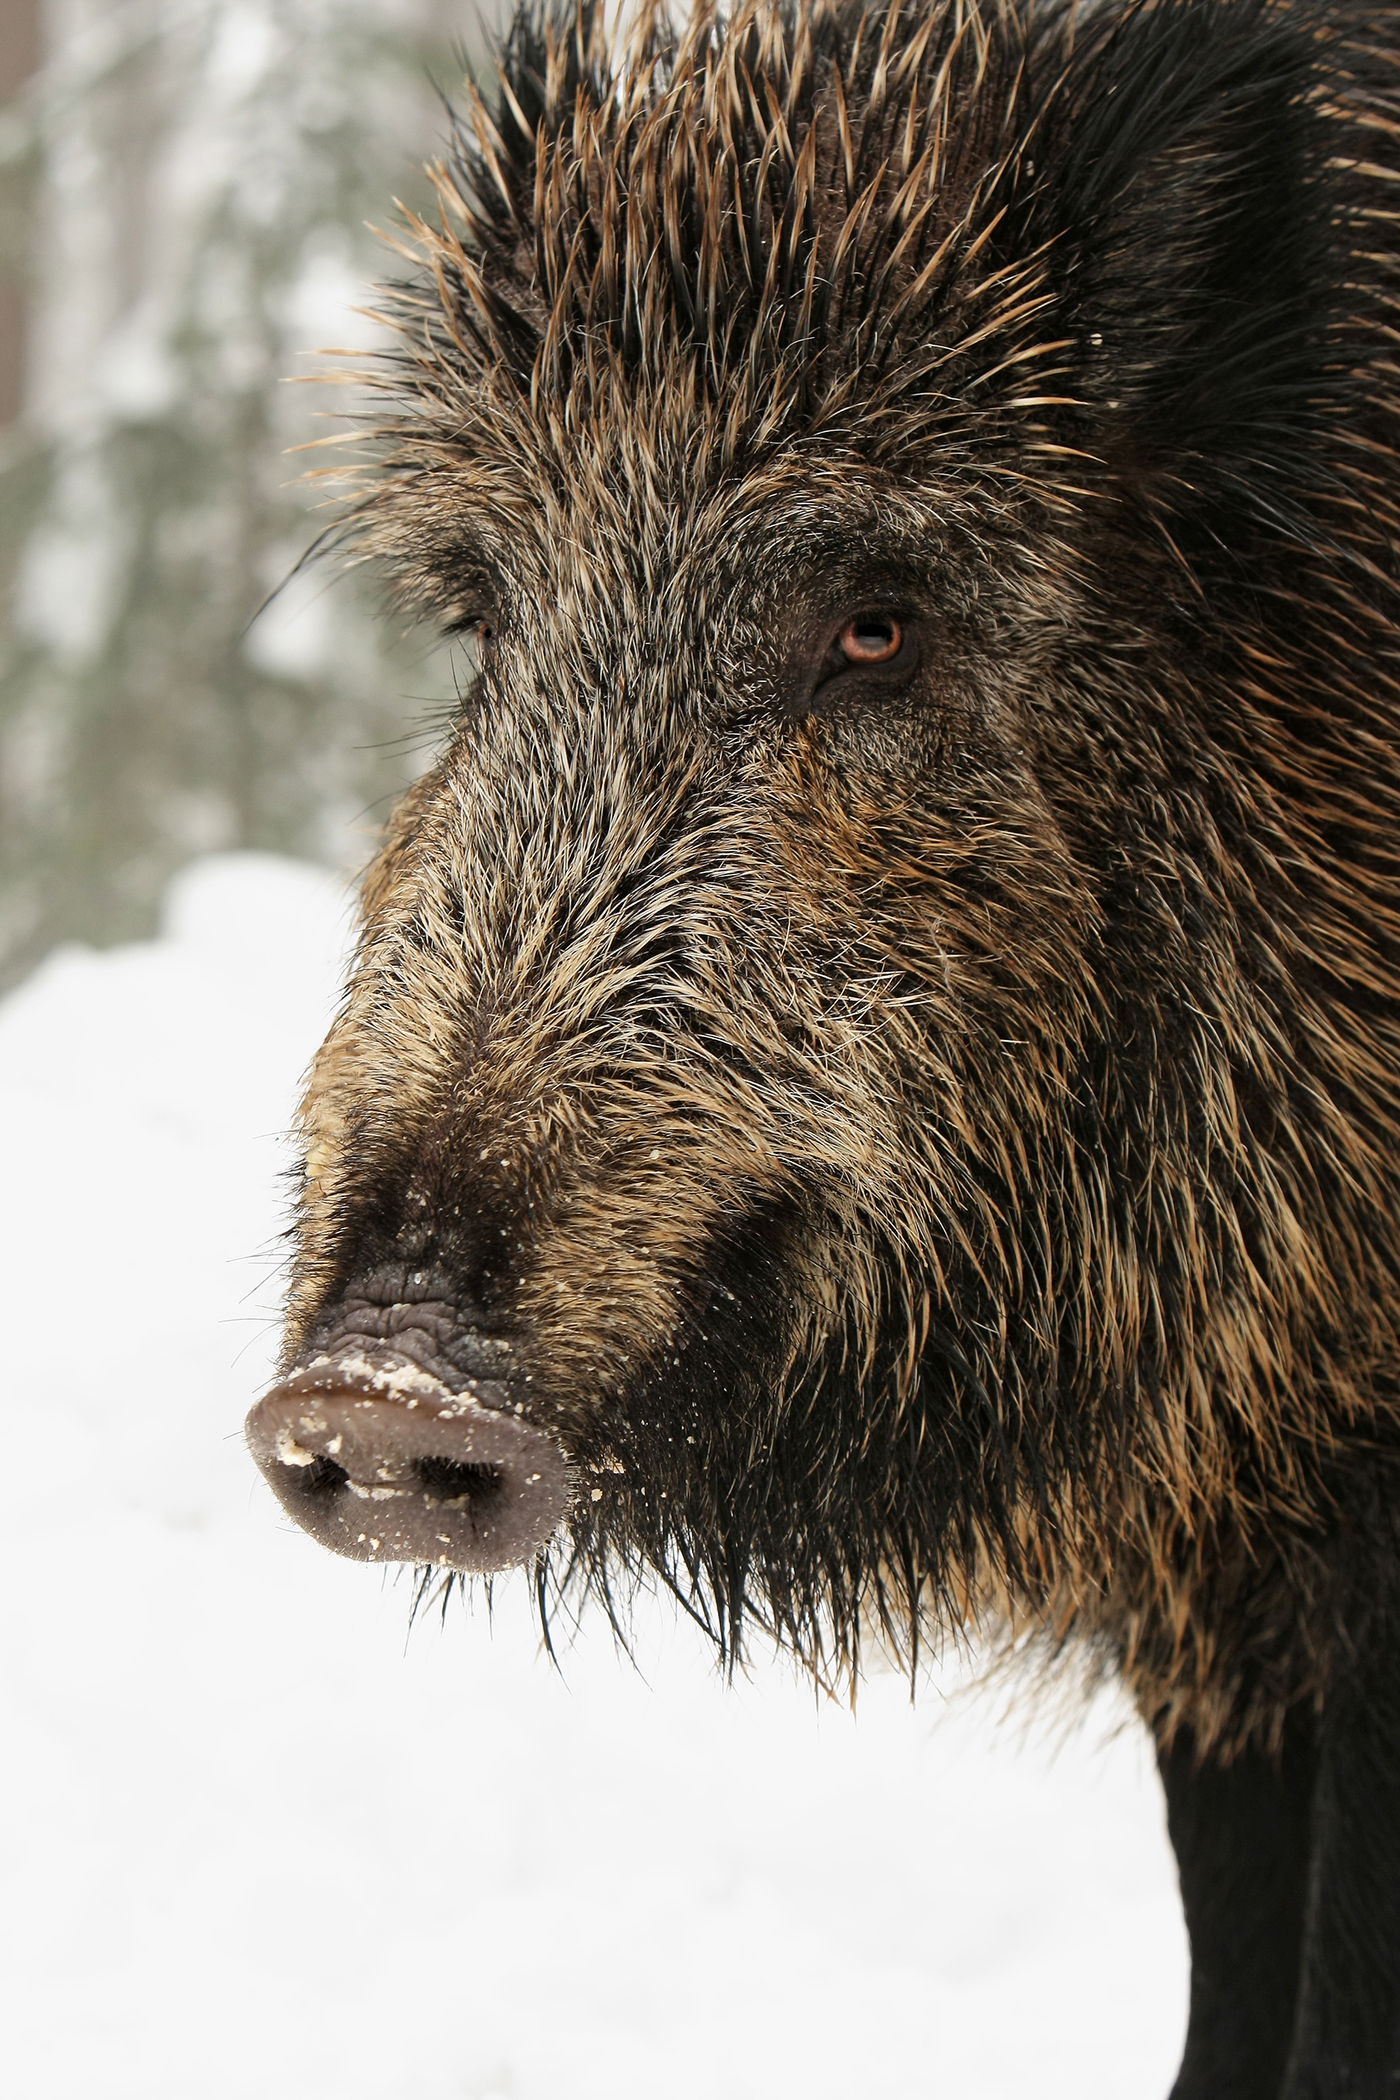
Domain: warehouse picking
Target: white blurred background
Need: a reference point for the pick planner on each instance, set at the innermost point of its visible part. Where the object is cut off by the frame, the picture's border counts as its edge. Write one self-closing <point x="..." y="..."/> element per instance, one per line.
<point x="257" y="1834"/>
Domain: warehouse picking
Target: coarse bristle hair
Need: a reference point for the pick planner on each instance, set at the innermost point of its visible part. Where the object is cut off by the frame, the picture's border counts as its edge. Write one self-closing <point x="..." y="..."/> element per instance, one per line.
<point x="778" y="201"/>
<point x="1110" y="291"/>
<point x="890" y="230"/>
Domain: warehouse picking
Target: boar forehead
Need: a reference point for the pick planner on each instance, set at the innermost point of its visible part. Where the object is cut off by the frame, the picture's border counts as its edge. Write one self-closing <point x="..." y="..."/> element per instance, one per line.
<point x="663" y="567"/>
<point x="695" y="271"/>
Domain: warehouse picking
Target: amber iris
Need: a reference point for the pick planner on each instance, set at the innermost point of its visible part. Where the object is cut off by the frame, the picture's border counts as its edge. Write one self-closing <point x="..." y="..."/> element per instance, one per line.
<point x="870" y="639"/>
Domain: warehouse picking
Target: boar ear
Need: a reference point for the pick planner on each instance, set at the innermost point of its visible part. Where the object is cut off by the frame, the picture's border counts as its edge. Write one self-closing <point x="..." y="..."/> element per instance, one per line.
<point x="554" y="48"/>
<point x="548" y="53"/>
<point x="1200" y="261"/>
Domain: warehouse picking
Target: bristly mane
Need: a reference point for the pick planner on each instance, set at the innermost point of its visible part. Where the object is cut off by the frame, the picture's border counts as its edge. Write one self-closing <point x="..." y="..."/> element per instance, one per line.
<point x="886" y="229"/>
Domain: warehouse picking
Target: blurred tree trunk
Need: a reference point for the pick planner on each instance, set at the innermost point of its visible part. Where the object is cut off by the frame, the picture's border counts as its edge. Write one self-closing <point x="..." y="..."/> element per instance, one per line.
<point x="196" y="177"/>
<point x="19" y="59"/>
<point x="19" y="44"/>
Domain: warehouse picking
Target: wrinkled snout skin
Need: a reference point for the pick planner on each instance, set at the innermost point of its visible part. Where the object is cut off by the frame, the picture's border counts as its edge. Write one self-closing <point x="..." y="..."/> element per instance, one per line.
<point x="870" y="1084"/>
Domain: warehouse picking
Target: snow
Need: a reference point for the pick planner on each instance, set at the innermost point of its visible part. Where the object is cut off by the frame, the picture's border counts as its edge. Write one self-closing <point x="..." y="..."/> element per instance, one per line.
<point x="262" y="1838"/>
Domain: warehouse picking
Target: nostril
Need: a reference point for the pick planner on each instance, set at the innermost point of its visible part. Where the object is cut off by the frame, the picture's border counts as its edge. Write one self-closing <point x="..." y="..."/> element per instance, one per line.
<point x="322" y="1478"/>
<point x="457" y="1480"/>
<point x="379" y="1460"/>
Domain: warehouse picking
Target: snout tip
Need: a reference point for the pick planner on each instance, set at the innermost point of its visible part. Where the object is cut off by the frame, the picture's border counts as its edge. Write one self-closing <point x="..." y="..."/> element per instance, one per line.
<point x="379" y="1461"/>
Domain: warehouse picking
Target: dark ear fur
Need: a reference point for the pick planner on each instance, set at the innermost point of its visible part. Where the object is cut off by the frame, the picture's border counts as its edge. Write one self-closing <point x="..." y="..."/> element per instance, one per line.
<point x="549" y="52"/>
<point x="1201" y="266"/>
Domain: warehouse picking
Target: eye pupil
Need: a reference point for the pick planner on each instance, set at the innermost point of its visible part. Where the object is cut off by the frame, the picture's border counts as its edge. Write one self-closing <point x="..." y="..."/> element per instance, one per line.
<point x="870" y="639"/>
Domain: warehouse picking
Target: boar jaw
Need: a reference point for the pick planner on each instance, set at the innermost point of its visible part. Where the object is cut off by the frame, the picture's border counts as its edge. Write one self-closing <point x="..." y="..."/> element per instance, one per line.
<point x="379" y="1460"/>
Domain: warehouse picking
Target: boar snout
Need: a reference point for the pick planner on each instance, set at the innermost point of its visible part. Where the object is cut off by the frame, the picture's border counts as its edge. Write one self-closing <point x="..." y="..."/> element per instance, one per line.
<point x="379" y="1460"/>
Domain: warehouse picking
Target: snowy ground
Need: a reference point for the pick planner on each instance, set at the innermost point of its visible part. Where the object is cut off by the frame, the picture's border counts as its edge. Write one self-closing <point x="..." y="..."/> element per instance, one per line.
<point x="258" y="1839"/>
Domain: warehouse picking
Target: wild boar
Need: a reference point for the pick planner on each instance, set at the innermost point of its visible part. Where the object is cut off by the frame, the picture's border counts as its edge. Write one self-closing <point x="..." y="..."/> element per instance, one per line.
<point x="870" y="1085"/>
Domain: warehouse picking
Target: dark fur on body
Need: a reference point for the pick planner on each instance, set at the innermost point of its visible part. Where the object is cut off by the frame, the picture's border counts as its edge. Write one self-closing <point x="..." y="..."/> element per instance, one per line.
<point x="926" y="1142"/>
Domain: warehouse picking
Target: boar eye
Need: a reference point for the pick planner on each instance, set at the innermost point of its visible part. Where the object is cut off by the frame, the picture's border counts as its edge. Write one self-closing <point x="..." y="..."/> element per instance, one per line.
<point x="871" y="638"/>
<point x="477" y="634"/>
<point x="875" y="645"/>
